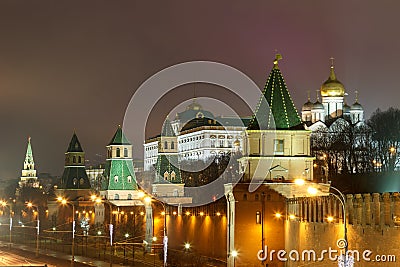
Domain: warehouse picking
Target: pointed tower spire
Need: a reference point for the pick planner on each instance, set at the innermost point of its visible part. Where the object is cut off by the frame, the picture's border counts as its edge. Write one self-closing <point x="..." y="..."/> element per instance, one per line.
<point x="356" y="92"/>
<point x="120" y="182"/>
<point x="275" y="105"/>
<point x="28" y="175"/>
<point x="74" y="176"/>
<point x="167" y="129"/>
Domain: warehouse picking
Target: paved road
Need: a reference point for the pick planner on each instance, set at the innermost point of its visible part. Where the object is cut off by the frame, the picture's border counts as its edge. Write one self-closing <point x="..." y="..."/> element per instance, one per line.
<point x="11" y="259"/>
<point x="59" y="259"/>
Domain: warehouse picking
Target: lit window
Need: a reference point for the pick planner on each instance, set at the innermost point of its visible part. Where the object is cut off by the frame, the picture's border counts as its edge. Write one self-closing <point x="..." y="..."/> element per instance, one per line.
<point x="166" y="175"/>
<point x="278" y="145"/>
<point x="173" y="175"/>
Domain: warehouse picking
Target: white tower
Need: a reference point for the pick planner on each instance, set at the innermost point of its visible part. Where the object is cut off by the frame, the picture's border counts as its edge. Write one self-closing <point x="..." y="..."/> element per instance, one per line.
<point x="28" y="178"/>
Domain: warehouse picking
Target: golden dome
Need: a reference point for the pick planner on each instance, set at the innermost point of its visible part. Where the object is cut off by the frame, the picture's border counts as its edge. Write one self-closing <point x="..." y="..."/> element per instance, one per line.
<point x="332" y="87"/>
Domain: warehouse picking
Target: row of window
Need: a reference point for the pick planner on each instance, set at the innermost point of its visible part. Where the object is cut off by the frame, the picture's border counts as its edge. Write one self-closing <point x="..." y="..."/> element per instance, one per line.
<point x="256" y="197"/>
<point x="117" y="153"/>
<point x="76" y="159"/>
<point x="166" y="145"/>
<point x="149" y="148"/>
<point x="129" y="179"/>
<point x="116" y="197"/>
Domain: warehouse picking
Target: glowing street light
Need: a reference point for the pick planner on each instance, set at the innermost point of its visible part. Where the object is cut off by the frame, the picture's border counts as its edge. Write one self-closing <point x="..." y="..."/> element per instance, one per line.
<point x="30" y="205"/>
<point x="98" y="200"/>
<point x="330" y="219"/>
<point x="234" y="254"/>
<point x="4" y="204"/>
<point x="312" y="190"/>
<point x="65" y="202"/>
<point x="278" y="215"/>
<point x="187" y="246"/>
<point x="299" y="181"/>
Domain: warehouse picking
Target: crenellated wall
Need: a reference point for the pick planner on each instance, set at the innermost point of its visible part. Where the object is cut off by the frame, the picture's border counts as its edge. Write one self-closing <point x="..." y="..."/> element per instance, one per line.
<point x="373" y="222"/>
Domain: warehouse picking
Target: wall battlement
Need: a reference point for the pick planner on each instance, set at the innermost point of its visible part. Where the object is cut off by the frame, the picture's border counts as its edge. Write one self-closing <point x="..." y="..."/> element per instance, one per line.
<point x="374" y="210"/>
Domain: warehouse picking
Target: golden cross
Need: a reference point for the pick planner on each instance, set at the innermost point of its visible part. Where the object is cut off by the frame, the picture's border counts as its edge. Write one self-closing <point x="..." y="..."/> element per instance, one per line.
<point x="332" y="61"/>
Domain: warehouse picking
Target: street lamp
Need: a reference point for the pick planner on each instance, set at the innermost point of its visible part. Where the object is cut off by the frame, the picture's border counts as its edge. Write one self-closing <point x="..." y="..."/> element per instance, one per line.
<point x="30" y="205"/>
<point x="4" y="204"/>
<point x="148" y="200"/>
<point x="234" y="254"/>
<point x="98" y="200"/>
<point x="65" y="202"/>
<point x="342" y="201"/>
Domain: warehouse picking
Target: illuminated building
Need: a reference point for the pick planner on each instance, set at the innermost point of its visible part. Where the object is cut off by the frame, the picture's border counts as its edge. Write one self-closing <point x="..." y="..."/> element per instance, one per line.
<point x="28" y="177"/>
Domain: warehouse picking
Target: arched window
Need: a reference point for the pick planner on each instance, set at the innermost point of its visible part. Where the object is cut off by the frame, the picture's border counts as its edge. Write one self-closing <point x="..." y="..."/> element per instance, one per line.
<point x="173" y="175"/>
<point x="116" y="197"/>
<point x="172" y="145"/>
<point x="165" y="145"/>
<point x="116" y="178"/>
<point x="257" y="197"/>
<point x="81" y="181"/>
<point x="129" y="196"/>
<point x="244" y="196"/>
<point x="79" y="159"/>
<point x="75" y="181"/>
<point x="73" y="159"/>
<point x="118" y="152"/>
<point x="129" y="179"/>
<point x="166" y="175"/>
<point x="125" y="152"/>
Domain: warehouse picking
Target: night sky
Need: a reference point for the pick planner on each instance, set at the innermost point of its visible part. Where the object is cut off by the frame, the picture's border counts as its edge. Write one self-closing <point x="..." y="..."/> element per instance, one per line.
<point x="74" y="65"/>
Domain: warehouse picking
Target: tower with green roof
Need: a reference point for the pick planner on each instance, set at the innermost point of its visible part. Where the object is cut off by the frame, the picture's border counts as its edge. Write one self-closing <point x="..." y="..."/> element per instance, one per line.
<point x="168" y="181"/>
<point x="167" y="166"/>
<point x="28" y="175"/>
<point x="275" y="109"/>
<point x="120" y="183"/>
<point x="74" y="176"/>
<point x="277" y="144"/>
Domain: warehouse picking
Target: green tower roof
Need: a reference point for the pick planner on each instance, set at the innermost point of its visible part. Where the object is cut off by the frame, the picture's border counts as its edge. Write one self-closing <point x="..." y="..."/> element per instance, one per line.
<point x="281" y="114"/>
<point x="120" y="176"/>
<point x="74" y="145"/>
<point x="168" y="163"/>
<point x="119" y="138"/>
<point x="167" y="129"/>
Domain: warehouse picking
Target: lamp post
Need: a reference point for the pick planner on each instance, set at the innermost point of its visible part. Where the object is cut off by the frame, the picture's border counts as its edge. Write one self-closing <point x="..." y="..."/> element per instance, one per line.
<point x="148" y="200"/>
<point x="65" y="202"/>
<point x="4" y="204"/>
<point x="342" y="200"/>
<point x="98" y="200"/>
<point x="234" y="255"/>
<point x="30" y="205"/>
